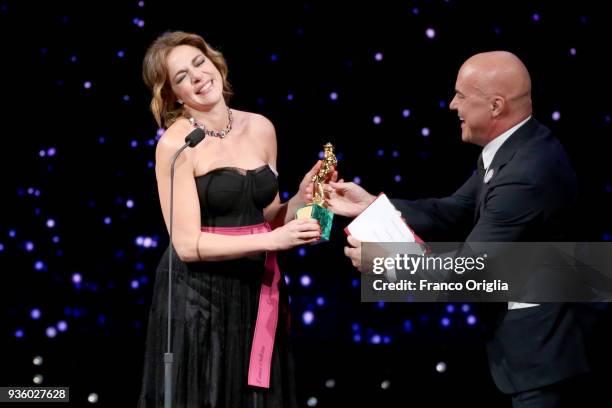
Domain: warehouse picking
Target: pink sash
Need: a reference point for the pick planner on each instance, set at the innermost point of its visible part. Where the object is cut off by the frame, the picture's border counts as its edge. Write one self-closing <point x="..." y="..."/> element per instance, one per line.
<point x="267" y="312"/>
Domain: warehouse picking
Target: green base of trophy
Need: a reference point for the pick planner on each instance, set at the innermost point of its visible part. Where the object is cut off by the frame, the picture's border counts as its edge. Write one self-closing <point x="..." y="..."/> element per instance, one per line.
<point x="319" y="213"/>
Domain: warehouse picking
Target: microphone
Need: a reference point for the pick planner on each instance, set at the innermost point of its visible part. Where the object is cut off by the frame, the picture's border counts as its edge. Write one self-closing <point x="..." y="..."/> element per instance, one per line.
<point x="192" y="139"/>
<point x="195" y="137"/>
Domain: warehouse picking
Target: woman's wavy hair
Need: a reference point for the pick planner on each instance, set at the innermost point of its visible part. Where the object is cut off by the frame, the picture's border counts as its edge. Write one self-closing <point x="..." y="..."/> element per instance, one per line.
<point x="164" y="104"/>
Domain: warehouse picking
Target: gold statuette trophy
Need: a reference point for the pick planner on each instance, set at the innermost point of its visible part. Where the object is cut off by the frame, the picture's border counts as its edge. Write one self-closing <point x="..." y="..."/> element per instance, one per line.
<point x="317" y="209"/>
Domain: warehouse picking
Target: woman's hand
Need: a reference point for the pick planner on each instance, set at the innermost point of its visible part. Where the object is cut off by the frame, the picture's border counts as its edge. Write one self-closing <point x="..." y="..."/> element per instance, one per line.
<point x="294" y="233"/>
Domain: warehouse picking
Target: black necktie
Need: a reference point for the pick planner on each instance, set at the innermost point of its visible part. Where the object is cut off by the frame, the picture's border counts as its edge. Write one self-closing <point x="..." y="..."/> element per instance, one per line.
<point x="481" y="168"/>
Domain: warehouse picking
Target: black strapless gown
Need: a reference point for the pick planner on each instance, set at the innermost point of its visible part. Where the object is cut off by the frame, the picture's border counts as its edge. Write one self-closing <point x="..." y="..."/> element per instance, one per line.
<point x="214" y="310"/>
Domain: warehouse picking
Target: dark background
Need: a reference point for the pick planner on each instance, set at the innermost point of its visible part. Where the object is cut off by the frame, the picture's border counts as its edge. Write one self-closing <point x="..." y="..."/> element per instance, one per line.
<point x="83" y="157"/>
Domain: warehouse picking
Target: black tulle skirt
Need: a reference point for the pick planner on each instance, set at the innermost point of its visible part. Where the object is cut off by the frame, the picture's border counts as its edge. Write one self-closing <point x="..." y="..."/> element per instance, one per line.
<point x="214" y="310"/>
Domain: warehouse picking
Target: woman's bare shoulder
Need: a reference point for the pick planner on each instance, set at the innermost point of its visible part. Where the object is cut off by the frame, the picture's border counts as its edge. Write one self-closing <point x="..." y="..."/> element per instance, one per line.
<point x="174" y="137"/>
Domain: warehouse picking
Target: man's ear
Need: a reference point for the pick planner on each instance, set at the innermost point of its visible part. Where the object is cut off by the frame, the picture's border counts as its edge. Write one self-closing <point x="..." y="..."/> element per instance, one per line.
<point x="498" y="104"/>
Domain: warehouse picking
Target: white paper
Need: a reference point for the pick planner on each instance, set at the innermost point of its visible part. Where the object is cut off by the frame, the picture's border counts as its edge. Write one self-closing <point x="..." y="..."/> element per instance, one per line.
<point x="380" y="222"/>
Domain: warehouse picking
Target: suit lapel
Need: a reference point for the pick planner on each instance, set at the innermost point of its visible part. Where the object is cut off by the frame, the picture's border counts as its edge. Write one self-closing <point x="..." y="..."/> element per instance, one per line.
<point x="502" y="157"/>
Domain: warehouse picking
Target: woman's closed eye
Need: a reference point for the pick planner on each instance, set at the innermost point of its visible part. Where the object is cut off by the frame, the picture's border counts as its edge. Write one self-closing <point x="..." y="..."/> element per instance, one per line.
<point x="196" y="63"/>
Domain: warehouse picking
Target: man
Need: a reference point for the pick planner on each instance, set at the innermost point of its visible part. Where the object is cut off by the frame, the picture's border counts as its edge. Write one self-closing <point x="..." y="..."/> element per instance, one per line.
<point x="522" y="191"/>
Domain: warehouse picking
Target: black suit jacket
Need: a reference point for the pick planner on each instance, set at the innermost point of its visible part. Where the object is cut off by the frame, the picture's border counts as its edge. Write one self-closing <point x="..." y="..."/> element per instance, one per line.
<point x="529" y="198"/>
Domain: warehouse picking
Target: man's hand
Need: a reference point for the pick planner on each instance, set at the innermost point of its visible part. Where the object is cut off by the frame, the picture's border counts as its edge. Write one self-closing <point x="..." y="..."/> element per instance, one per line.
<point x="364" y="261"/>
<point x="348" y="199"/>
<point x="353" y="252"/>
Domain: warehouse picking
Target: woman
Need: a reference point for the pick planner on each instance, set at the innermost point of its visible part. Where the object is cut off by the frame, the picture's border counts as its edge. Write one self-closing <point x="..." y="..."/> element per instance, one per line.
<point x="229" y="321"/>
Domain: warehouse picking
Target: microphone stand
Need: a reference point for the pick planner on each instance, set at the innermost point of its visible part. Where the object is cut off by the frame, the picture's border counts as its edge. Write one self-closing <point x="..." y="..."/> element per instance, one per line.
<point x="191" y="140"/>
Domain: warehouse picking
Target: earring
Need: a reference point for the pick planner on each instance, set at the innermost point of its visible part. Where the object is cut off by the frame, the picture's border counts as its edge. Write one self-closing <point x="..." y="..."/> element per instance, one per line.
<point x="180" y="101"/>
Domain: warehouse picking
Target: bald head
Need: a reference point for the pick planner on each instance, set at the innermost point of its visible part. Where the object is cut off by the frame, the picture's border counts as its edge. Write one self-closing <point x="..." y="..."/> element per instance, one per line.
<point x="492" y="94"/>
<point x="500" y="73"/>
